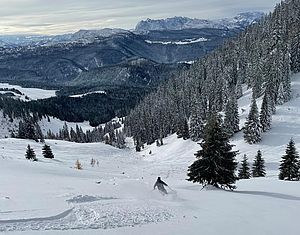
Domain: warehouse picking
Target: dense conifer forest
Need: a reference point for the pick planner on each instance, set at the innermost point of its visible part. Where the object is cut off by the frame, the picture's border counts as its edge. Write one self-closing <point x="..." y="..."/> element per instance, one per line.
<point x="262" y="58"/>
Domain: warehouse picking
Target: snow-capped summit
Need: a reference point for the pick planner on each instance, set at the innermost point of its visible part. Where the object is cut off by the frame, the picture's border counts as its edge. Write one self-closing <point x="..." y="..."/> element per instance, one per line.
<point x="242" y="20"/>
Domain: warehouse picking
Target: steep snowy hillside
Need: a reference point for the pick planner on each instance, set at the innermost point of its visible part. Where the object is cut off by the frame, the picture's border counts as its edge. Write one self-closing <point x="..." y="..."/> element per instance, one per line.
<point x="117" y="196"/>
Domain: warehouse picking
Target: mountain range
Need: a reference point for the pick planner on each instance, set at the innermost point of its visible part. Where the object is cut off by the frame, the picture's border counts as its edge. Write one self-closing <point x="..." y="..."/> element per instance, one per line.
<point x="109" y="57"/>
<point x="240" y="21"/>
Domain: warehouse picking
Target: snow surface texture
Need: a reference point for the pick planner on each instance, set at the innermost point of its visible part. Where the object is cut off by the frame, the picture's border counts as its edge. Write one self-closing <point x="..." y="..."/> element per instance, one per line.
<point x="117" y="197"/>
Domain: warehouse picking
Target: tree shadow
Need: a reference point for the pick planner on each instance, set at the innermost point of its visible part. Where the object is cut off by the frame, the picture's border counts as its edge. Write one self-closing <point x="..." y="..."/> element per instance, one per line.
<point x="270" y="194"/>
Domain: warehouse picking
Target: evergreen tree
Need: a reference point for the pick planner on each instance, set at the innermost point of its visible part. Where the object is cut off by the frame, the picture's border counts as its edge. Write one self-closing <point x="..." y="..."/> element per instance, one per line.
<point x="30" y="154"/>
<point x="289" y="167"/>
<point x="196" y="122"/>
<point x="215" y="164"/>
<point x="239" y="89"/>
<point x="244" y="171"/>
<point x="65" y="132"/>
<point x="265" y="116"/>
<point x="183" y="129"/>
<point x="47" y="152"/>
<point x="73" y="136"/>
<point x="231" y="120"/>
<point x="281" y="96"/>
<point x="252" y="130"/>
<point x="258" y="167"/>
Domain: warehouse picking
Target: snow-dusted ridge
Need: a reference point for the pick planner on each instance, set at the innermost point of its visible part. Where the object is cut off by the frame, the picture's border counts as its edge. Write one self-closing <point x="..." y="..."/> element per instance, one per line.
<point x="242" y="20"/>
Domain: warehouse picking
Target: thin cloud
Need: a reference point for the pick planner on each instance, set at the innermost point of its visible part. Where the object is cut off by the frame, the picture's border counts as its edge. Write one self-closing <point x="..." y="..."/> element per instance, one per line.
<point x="60" y="16"/>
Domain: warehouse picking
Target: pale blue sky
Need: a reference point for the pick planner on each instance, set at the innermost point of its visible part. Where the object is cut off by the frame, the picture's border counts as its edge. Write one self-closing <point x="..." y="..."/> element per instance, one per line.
<point x="61" y="16"/>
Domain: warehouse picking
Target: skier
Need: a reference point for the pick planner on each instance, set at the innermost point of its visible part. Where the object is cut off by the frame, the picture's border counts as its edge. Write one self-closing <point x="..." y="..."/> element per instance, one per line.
<point x="160" y="185"/>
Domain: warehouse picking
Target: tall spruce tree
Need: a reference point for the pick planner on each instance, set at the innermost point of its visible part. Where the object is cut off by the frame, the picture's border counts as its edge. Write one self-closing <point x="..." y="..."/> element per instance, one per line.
<point x="196" y="122"/>
<point x="30" y="154"/>
<point x="244" y="171"/>
<point x="183" y="129"/>
<point x="265" y="116"/>
<point x="289" y="167"/>
<point x="252" y="130"/>
<point x="215" y="164"/>
<point x="281" y="96"/>
<point x="258" y="167"/>
<point x="231" y="120"/>
<point x="47" y="152"/>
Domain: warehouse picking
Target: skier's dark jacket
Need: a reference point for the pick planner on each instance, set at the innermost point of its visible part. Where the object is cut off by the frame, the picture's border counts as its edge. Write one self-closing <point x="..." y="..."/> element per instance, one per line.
<point x="160" y="185"/>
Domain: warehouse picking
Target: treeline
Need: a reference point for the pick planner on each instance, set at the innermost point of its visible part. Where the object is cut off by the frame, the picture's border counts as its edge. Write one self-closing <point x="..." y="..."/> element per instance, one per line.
<point x="110" y="133"/>
<point x="261" y="58"/>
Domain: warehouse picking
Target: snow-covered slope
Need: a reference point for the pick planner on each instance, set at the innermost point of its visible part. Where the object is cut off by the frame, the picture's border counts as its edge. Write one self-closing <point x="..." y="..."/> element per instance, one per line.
<point x="51" y="197"/>
<point x="242" y="20"/>
<point x="29" y="93"/>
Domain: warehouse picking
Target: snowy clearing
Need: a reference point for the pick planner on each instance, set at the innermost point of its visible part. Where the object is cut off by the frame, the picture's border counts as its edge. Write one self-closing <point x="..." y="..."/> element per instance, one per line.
<point x="31" y="93"/>
<point x="185" y="42"/>
<point x="89" y="93"/>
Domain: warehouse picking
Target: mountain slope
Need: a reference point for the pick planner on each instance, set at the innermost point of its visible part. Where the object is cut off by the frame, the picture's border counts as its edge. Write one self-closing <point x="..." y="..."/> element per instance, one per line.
<point x="116" y="197"/>
<point x="61" y="63"/>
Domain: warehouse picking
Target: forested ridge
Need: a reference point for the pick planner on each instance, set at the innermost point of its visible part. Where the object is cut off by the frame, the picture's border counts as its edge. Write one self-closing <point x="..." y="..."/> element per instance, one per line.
<point x="262" y="58"/>
<point x="95" y="108"/>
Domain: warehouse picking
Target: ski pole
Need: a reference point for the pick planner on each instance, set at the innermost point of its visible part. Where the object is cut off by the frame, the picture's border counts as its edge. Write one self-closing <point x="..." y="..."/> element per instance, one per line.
<point x="171" y="188"/>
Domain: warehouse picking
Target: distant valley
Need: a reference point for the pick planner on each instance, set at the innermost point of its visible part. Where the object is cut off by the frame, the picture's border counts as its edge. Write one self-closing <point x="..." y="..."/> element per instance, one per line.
<point x="125" y="64"/>
<point x="62" y="58"/>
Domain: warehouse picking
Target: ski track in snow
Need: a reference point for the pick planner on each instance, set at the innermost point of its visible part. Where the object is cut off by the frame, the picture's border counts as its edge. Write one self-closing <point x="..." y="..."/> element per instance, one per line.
<point x="93" y="216"/>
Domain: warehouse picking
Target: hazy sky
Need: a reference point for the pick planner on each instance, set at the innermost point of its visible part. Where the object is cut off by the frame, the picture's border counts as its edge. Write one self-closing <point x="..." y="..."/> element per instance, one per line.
<point x="61" y="16"/>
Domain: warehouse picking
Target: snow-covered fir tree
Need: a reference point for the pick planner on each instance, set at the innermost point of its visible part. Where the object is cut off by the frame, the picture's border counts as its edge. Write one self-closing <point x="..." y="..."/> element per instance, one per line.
<point x="30" y="129"/>
<point x="231" y="120"/>
<point x="215" y="164"/>
<point x="183" y="129"/>
<point x="196" y="129"/>
<point x="258" y="166"/>
<point x="280" y="96"/>
<point x="30" y="154"/>
<point x="47" y="151"/>
<point x="289" y="167"/>
<point x="265" y="116"/>
<point x="252" y="129"/>
<point x="244" y="170"/>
